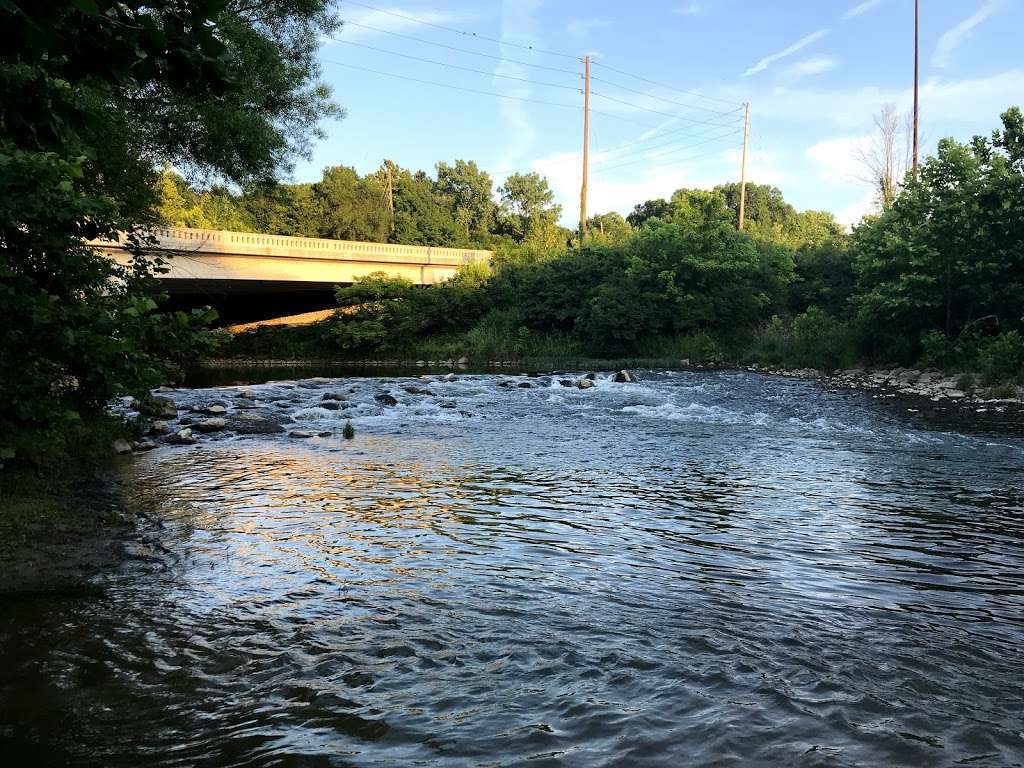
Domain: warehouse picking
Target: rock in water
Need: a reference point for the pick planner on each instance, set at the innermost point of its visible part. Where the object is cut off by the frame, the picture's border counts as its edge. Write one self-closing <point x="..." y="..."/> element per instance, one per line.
<point x="451" y="377"/>
<point x="121" y="447"/>
<point x="386" y="400"/>
<point x="143" y="445"/>
<point x="334" y="396"/>
<point x="215" y="409"/>
<point x="210" y="425"/>
<point x="525" y="385"/>
<point x="302" y="433"/>
<point x="567" y="382"/>
<point x="624" y="377"/>
<point x="253" y="424"/>
<point x="159" y="427"/>
<point x="184" y="437"/>
<point x="330" y="405"/>
<point x="586" y="384"/>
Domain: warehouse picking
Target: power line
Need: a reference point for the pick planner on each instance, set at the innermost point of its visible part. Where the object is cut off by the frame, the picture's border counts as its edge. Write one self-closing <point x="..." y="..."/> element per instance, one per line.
<point x="456" y="66"/>
<point x="453" y="87"/>
<point x="703" y="132"/>
<point x="456" y="48"/>
<point x="698" y="94"/>
<point x="654" y="135"/>
<point x="656" y="111"/>
<point x="414" y="20"/>
<point x="669" y="101"/>
<point x="670" y="152"/>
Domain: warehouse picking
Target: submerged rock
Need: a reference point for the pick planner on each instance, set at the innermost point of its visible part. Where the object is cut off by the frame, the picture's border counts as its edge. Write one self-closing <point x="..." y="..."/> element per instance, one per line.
<point x="253" y="424"/>
<point x="414" y="390"/>
<point x="624" y="377"/>
<point x="525" y="385"/>
<point x="121" y="447"/>
<point x="330" y="405"/>
<point x="446" y="404"/>
<point x="451" y="377"/>
<point x="143" y="445"/>
<point x="184" y="437"/>
<point x="386" y="400"/>
<point x="586" y="384"/>
<point x="302" y="433"/>
<point x="567" y="382"/>
<point x="333" y="396"/>
<point x="210" y="425"/>
<point x="214" y="409"/>
<point x="159" y="427"/>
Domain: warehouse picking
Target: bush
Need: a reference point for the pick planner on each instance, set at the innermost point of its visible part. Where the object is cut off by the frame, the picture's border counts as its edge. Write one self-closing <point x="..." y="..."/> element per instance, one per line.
<point x="1002" y="358"/>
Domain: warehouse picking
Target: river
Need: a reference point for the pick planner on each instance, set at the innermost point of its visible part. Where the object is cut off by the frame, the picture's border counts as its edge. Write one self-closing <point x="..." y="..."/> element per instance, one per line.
<point x="696" y="569"/>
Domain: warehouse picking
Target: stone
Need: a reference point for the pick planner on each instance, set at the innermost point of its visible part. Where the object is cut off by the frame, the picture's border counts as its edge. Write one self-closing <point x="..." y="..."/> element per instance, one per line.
<point x="685" y="362"/>
<point x="184" y="437"/>
<point x="446" y="404"/>
<point x="143" y="445"/>
<point x="121" y="447"/>
<point x="159" y="427"/>
<point x="525" y="385"/>
<point x="451" y="377"/>
<point x="246" y="394"/>
<point x="421" y="363"/>
<point x="215" y="409"/>
<point x="330" y="405"/>
<point x="210" y="425"/>
<point x="463" y="361"/>
<point x="302" y="433"/>
<point x="590" y="377"/>
<point x="333" y="396"/>
<point x="567" y="382"/>
<point x="253" y="424"/>
<point x="586" y="384"/>
<point x="414" y="390"/>
<point x="386" y="400"/>
<point x="624" y="377"/>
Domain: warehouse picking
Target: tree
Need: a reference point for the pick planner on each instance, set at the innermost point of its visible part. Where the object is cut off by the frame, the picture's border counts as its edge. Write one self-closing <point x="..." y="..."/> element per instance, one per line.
<point x="884" y="160"/>
<point x="651" y="209"/>
<point x="950" y="248"/>
<point x="609" y="229"/>
<point x="527" y="205"/>
<point x="421" y="215"/>
<point x="468" y="192"/>
<point x="97" y="94"/>
<point x="352" y="207"/>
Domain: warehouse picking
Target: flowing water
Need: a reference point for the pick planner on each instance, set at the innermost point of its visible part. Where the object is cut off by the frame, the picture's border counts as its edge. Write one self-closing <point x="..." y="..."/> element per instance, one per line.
<point x="697" y="569"/>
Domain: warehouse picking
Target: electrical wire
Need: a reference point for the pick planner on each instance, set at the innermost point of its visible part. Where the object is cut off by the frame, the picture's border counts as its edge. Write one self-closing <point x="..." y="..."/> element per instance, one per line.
<point x="456" y="66"/>
<point x="703" y="132"/>
<point x="669" y="101"/>
<point x="655" y="111"/>
<point x="697" y="94"/>
<point x="456" y="48"/>
<point x="607" y="168"/>
<point x="413" y="19"/>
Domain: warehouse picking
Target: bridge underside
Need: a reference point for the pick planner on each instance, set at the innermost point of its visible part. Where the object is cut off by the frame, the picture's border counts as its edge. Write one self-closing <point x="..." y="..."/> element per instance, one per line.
<point x="246" y="301"/>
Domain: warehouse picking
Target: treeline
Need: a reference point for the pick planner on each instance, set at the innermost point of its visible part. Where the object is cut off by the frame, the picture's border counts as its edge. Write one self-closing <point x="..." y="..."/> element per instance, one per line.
<point x="937" y="278"/>
<point x="456" y="207"/>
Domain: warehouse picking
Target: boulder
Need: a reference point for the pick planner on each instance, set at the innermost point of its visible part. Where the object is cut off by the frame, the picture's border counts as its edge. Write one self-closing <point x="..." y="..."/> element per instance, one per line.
<point x="143" y="445"/>
<point x="590" y="377"/>
<point x="121" y="447"/>
<point x="462" y="361"/>
<point x="330" y="405"/>
<point x="184" y="437"/>
<point x="414" y="390"/>
<point x="586" y="384"/>
<point x="253" y="424"/>
<point x="333" y="396"/>
<point x="214" y="409"/>
<point x="386" y="400"/>
<point x="302" y="433"/>
<point x="446" y="404"/>
<point x="624" y="377"/>
<point x="525" y="385"/>
<point x="451" y="377"/>
<point x="246" y="394"/>
<point x="567" y="382"/>
<point x="157" y="406"/>
<point x="210" y="425"/>
<point x="159" y="427"/>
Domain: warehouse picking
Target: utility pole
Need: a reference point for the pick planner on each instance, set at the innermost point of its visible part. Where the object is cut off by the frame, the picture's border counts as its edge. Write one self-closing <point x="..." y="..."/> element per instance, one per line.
<point x="586" y="146"/>
<point x="917" y="107"/>
<point x="743" y="168"/>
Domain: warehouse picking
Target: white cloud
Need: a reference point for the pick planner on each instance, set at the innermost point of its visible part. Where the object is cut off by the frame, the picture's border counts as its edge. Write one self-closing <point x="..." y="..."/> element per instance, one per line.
<point x="810" y="67"/>
<point x="688" y="9"/>
<point x="837" y="159"/>
<point x="519" y="26"/>
<point x="393" y="20"/>
<point x="954" y="37"/>
<point x="853" y="213"/>
<point x="861" y="8"/>
<point x="800" y="44"/>
<point x="583" y="27"/>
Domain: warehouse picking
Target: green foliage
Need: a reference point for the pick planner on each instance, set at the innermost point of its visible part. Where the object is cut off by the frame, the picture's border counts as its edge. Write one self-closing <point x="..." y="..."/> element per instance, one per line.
<point x="348" y="432"/>
<point x="1002" y="358"/>
<point x="97" y="94"/>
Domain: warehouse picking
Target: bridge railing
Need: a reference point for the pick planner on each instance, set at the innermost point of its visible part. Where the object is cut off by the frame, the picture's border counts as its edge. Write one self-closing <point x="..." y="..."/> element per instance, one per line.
<point x="224" y="242"/>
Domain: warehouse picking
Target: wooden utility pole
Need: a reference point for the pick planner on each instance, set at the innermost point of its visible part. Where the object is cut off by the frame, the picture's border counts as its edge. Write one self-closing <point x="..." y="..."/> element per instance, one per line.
<point x="586" y="146"/>
<point x="917" y="107"/>
<point x="743" y="168"/>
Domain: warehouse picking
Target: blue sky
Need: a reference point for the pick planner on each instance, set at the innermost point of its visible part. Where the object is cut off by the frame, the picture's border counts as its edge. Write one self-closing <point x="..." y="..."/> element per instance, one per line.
<point x="814" y="72"/>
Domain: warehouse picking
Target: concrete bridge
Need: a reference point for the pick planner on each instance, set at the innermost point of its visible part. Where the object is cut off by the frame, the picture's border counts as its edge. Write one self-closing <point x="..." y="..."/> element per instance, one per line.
<point x="252" y="277"/>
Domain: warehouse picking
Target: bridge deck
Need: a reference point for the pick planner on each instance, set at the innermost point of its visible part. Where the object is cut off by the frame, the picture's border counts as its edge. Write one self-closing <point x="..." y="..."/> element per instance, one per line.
<point x="220" y="257"/>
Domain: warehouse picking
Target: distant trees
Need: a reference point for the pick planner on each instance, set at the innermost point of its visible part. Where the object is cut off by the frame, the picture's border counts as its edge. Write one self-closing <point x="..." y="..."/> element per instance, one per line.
<point x="885" y="159"/>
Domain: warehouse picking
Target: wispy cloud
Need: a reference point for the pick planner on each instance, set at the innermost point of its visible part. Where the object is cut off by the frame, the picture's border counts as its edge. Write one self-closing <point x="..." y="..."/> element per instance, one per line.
<point x="860" y="9"/>
<point x="799" y="45"/>
<point x="364" y="24"/>
<point x="687" y="9"/>
<point x="583" y="27"/>
<point x="810" y="67"/>
<point x="952" y="38"/>
<point x="518" y="25"/>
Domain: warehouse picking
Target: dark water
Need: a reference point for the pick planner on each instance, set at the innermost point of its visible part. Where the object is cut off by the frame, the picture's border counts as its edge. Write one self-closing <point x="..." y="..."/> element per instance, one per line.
<point x="701" y="569"/>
